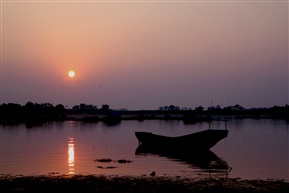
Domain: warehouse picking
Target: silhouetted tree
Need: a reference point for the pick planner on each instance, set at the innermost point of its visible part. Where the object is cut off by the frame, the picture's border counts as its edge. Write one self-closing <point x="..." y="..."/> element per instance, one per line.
<point x="60" y="107"/>
<point x="199" y="109"/>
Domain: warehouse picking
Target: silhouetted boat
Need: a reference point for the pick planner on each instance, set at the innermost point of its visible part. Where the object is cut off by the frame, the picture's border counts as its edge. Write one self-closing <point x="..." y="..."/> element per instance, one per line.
<point x="202" y="140"/>
<point x="112" y="118"/>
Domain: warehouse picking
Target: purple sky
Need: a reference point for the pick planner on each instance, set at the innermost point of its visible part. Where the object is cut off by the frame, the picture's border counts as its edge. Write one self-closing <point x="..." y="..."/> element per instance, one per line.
<point x="143" y="55"/>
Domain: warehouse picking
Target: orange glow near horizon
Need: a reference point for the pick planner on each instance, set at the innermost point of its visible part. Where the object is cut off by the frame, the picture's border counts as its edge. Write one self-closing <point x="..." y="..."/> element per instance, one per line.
<point x="71" y="158"/>
<point x="137" y="55"/>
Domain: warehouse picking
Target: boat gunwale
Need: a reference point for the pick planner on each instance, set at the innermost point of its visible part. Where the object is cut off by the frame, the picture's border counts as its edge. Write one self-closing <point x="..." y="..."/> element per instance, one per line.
<point x="181" y="136"/>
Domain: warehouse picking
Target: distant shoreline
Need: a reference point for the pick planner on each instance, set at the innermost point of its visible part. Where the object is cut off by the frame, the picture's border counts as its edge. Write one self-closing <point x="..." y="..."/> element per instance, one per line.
<point x="34" y="114"/>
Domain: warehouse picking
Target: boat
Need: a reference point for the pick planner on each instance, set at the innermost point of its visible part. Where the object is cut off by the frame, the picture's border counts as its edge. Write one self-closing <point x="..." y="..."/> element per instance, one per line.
<point x="203" y="140"/>
<point x="112" y="118"/>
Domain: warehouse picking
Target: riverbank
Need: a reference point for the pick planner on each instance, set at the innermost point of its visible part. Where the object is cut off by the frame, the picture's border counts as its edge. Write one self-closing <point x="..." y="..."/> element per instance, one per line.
<point x="127" y="184"/>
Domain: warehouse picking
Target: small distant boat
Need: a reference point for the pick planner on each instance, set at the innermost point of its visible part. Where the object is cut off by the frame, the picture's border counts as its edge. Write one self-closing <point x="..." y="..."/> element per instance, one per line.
<point x="112" y="118"/>
<point x="203" y="140"/>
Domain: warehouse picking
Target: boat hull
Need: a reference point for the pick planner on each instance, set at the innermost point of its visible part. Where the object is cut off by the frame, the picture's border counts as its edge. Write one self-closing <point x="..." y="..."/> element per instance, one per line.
<point x="202" y="140"/>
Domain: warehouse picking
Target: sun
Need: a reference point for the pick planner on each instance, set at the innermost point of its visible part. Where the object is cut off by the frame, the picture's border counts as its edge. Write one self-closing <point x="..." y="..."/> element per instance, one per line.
<point x="71" y="74"/>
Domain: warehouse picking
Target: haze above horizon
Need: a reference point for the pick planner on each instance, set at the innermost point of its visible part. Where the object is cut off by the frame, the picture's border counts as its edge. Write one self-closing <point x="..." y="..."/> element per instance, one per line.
<point x="143" y="55"/>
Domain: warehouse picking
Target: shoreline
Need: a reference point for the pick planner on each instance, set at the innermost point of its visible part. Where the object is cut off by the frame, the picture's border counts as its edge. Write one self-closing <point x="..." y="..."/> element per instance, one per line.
<point x="127" y="184"/>
<point x="33" y="114"/>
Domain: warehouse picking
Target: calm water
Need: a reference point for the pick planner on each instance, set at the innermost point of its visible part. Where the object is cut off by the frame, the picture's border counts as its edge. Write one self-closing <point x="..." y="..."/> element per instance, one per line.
<point x="253" y="149"/>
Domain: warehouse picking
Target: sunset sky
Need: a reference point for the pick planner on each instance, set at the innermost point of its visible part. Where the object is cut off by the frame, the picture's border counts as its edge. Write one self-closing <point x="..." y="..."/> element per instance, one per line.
<point x="143" y="55"/>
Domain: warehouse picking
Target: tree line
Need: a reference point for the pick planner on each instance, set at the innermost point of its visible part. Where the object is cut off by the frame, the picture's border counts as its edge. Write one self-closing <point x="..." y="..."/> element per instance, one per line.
<point x="232" y="110"/>
<point x="12" y="113"/>
<point x="30" y="112"/>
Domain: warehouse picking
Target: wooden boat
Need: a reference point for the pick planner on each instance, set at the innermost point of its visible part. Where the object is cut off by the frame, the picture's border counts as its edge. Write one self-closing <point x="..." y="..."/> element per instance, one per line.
<point x="203" y="140"/>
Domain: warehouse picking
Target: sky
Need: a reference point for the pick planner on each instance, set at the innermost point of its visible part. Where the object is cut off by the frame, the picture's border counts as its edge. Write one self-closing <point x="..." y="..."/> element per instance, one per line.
<point x="145" y="54"/>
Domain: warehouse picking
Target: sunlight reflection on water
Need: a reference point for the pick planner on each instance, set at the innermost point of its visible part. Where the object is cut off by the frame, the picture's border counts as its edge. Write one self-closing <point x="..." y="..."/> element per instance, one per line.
<point x="71" y="158"/>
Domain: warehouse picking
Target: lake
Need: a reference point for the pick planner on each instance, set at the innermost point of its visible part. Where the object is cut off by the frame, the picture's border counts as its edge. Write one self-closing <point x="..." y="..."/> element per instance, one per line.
<point x="254" y="149"/>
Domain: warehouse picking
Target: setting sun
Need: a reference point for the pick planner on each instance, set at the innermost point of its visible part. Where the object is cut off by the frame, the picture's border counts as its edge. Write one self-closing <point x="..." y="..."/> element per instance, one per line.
<point x="71" y="74"/>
